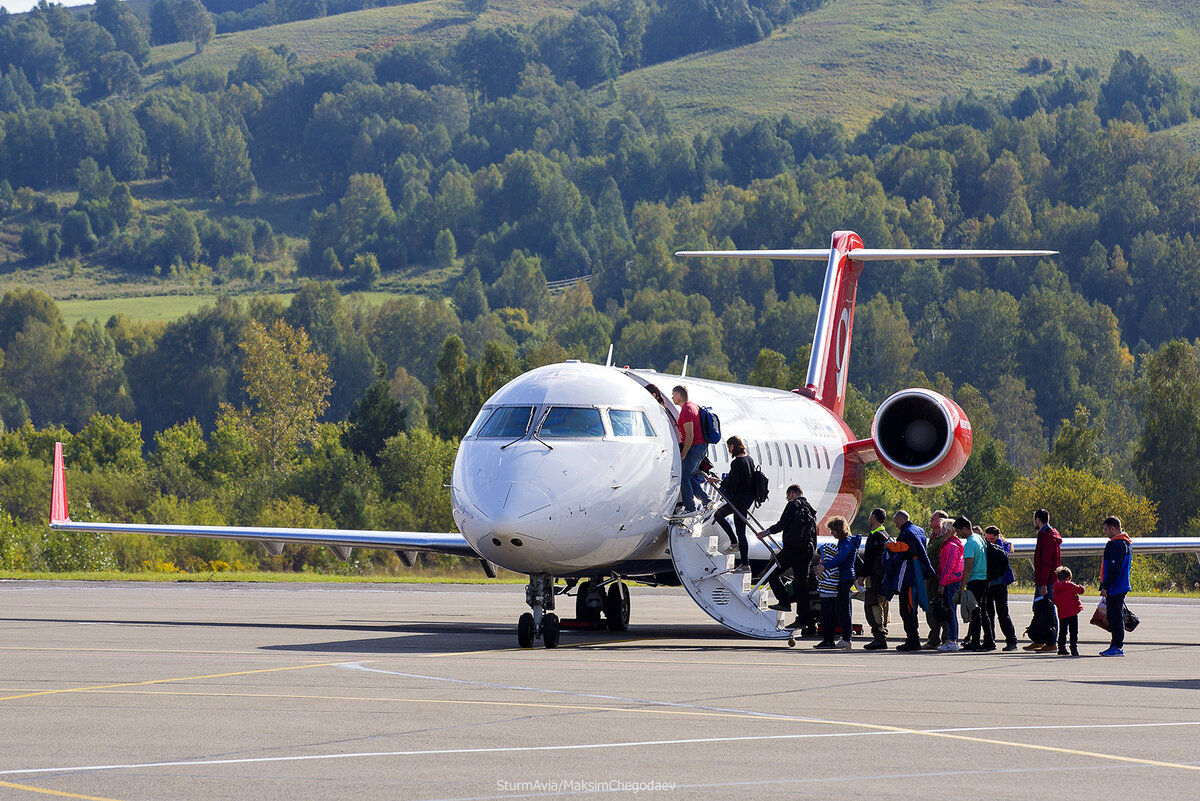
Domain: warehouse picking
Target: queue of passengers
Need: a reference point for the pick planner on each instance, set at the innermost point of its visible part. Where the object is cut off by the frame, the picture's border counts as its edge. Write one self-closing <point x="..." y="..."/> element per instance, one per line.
<point x="956" y="569"/>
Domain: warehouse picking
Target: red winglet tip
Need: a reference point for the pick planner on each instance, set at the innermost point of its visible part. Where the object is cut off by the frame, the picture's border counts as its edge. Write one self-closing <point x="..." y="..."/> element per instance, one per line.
<point x="58" y="492"/>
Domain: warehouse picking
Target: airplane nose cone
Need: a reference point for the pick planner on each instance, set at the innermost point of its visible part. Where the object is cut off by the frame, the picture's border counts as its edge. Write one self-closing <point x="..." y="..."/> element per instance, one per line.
<point x="510" y="517"/>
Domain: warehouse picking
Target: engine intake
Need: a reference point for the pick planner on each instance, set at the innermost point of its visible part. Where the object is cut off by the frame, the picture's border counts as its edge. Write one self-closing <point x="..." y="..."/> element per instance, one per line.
<point x="921" y="437"/>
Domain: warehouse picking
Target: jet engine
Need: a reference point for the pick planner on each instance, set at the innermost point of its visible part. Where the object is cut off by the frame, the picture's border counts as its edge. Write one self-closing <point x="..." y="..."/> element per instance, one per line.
<point x="921" y="437"/>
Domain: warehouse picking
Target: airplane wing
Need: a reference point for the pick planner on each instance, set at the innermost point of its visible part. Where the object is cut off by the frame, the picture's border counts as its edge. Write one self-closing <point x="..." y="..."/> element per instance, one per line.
<point x="1094" y="546"/>
<point x="865" y="254"/>
<point x="340" y="541"/>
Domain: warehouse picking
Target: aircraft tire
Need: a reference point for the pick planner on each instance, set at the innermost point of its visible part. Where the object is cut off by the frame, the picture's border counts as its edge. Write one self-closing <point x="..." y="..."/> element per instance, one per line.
<point x="525" y="630"/>
<point x="616" y="606"/>
<point x="582" y="612"/>
<point x="550" y="630"/>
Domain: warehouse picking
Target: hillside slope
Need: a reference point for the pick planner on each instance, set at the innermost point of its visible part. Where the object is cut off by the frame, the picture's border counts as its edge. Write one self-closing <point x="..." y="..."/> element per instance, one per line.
<point x="853" y="58"/>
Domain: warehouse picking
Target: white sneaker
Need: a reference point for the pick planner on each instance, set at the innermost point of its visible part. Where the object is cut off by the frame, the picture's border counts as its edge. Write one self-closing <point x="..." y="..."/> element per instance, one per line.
<point x="844" y="645"/>
<point x="741" y="569"/>
<point x="731" y="548"/>
<point x="948" y="646"/>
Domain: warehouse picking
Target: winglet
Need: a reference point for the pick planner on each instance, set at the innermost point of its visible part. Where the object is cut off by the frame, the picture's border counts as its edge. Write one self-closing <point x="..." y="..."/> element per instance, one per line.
<point x="58" y="492"/>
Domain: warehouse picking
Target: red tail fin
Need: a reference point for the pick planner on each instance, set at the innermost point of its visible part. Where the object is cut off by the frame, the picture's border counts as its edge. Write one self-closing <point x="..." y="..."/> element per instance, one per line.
<point x="828" y="368"/>
<point x="58" y="492"/>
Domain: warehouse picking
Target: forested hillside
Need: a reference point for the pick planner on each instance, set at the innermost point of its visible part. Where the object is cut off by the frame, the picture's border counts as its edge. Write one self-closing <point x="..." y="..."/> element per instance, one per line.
<point x="484" y="163"/>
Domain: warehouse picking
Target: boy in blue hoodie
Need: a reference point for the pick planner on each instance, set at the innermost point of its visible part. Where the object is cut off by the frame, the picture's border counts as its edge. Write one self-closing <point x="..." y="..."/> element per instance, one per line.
<point x="1114" y="582"/>
<point x="842" y="565"/>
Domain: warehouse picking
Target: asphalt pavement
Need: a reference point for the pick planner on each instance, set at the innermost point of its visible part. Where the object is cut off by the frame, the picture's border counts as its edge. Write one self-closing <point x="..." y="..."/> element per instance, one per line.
<point x="186" y="691"/>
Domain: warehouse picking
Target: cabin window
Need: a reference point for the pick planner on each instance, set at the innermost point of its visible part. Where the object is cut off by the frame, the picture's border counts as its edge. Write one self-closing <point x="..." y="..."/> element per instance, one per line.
<point x="788" y="451"/>
<point x="778" y="454"/>
<point x="571" y="421"/>
<point x="799" y="461"/>
<point x="807" y="456"/>
<point x="629" y="423"/>
<point x="505" y="422"/>
<point x="758" y="452"/>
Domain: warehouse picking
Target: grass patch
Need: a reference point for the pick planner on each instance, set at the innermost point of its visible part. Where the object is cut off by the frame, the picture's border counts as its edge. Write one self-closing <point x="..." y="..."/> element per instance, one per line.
<point x="851" y="59"/>
<point x="448" y="577"/>
<point x="442" y="21"/>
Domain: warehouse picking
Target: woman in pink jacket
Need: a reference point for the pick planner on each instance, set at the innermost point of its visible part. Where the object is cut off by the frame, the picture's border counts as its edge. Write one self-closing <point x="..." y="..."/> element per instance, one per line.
<point x="950" y="575"/>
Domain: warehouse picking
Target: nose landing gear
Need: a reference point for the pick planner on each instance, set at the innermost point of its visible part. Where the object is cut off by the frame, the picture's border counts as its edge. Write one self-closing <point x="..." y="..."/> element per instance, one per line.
<point x="541" y="622"/>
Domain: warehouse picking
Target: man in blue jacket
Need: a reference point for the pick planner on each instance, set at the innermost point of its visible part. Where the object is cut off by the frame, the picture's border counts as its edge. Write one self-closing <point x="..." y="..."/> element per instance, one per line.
<point x="1114" y="582"/>
<point x="909" y="553"/>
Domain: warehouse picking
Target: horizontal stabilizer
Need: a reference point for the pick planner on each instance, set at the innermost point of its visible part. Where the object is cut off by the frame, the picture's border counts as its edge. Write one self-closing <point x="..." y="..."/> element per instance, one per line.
<point x="866" y="254"/>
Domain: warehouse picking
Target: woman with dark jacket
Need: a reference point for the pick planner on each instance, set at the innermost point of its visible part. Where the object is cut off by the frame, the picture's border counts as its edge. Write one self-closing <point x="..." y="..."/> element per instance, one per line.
<point x="738" y="490"/>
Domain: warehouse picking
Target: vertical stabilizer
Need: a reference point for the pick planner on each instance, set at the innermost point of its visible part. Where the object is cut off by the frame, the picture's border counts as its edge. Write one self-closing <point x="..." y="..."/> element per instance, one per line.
<point x="58" y="492"/>
<point x="828" y="368"/>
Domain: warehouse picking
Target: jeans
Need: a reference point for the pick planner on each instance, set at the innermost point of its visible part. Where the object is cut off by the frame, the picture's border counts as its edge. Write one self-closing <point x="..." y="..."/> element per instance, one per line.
<point x="843" y="609"/>
<point x="908" y="614"/>
<point x="997" y="607"/>
<point x="950" y="590"/>
<point x="828" y="618"/>
<point x="875" y="607"/>
<point x="692" y="483"/>
<point x="1072" y="624"/>
<point x="979" y="622"/>
<point x="739" y="524"/>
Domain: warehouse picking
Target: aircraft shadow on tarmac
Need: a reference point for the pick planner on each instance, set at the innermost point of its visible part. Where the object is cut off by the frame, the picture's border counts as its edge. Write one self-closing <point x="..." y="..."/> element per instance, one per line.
<point x="1158" y="684"/>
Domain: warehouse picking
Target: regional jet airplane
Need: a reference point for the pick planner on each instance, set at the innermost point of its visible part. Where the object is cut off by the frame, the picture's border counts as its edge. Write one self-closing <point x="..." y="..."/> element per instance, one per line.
<point x="572" y="472"/>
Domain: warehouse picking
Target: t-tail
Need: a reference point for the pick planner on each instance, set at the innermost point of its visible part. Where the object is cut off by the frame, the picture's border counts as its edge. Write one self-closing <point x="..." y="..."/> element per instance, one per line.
<point x="828" y="366"/>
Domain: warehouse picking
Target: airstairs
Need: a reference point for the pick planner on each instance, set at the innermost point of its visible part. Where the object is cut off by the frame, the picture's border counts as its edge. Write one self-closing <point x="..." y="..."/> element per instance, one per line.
<point x="732" y="599"/>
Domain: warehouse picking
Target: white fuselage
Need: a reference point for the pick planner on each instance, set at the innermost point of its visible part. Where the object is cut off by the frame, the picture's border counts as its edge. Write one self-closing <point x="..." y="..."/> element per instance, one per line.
<point x="574" y="468"/>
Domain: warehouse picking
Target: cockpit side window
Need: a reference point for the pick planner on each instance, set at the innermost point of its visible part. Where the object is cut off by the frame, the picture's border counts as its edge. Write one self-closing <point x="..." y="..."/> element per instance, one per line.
<point x="629" y="423"/>
<point x="506" y="422"/>
<point x="571" y="421"/>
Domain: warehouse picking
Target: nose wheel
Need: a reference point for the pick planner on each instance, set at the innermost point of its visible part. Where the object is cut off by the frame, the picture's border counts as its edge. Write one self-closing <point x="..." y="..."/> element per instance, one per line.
<point x="540" y="623"/>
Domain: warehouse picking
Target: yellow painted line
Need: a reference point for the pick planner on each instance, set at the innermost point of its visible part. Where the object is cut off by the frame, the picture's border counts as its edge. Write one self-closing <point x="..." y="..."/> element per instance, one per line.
<point x="165" y="681"/>
<point x="58" y="793"/>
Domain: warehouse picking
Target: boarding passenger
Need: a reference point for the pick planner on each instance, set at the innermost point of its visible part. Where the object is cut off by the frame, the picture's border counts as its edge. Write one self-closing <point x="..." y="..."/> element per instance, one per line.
<point x="936" y="626"/>
<point x="875" y="605"/>
<point x="997" y="597"/>
<point x="737" y="488"/>
<point x="798" y="523"/>
<point x="975" y="581"/>
<point x="827" y="582"/>
<point x="1046" y="559"/>
<point x="692" y="448"/>
<point x="1114" y="582"/>
<point x="842" y="565"/>
<point x="950" y="580"/>
<point x="906" y="576"/>
<point x="1066" y="600"/>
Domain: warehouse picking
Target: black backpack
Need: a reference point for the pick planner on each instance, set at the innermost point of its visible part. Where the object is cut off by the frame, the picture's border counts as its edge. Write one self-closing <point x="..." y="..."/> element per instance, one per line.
<point x="804" y="526"/>
<point x="762" y="487"/>
<point x="997" y="561"/>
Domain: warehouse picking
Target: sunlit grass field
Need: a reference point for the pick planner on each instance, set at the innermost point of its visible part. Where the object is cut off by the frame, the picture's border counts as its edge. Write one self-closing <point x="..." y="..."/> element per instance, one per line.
<point x="373" y="29"/>
<point x="851" y="59"/>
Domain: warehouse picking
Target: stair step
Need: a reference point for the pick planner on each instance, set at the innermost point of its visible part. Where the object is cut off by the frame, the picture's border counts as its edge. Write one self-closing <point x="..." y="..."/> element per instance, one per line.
<point x="705" y="574"/>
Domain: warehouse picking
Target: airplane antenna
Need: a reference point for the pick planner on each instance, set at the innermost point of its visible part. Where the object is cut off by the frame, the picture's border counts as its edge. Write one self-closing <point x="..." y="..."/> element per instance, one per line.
<point x="608" y="362"/>
<point x="683" y="372"/>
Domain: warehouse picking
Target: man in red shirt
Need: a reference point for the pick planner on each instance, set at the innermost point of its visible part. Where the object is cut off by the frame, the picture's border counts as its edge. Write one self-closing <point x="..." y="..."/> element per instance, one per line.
<point x="692" y="448"/>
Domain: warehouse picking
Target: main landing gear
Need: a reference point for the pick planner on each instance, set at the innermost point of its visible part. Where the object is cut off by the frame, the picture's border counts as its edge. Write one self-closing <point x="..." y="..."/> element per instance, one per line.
<point x="600" y="603"/>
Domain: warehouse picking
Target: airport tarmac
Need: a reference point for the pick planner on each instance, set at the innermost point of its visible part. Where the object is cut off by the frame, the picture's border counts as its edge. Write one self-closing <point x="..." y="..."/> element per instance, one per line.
<point x="247" y="691"/>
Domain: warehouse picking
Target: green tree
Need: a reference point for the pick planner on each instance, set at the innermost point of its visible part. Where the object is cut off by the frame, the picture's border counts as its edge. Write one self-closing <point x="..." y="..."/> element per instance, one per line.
<point x="1164" y="458"/>
<point x="453" y="396"/>
<point x="288" y="386"/>
<point x="194" y="23"/>
<point x="376" y="417"/>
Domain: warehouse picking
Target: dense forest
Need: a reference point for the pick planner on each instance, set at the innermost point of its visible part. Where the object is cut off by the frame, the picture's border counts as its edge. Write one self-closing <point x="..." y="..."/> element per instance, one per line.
<point x="488" y="161"/>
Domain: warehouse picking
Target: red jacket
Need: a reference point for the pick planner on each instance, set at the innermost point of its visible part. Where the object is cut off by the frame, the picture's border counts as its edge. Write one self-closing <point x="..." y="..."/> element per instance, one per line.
<point x="1066" y="598"/>
<point x="1046" y="556"/>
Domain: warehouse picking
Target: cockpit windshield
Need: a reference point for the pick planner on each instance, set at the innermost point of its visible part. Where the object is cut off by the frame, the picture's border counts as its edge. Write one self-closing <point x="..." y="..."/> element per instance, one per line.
<point x="571" y="421"/>
<point x="629" y="423"/>
<point x="506" y="422"/>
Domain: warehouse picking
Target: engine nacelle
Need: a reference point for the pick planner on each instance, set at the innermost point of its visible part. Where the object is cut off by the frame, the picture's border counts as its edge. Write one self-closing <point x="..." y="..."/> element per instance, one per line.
<point x="921" y="437"/>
